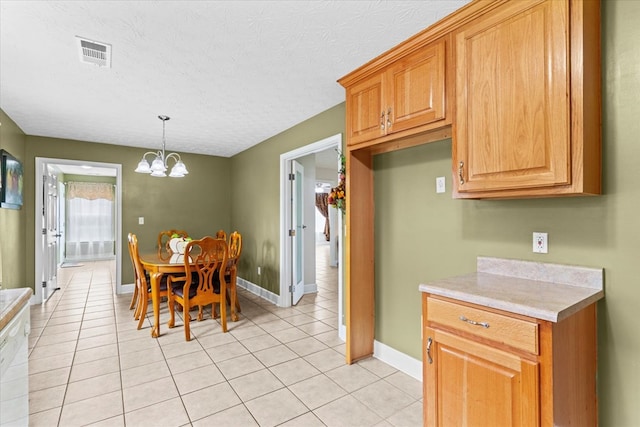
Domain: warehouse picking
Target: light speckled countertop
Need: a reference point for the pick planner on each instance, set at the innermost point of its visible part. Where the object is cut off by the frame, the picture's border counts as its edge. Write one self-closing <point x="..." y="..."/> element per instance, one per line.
<point x="11" y="302"/>
<point x="545" y="291"/>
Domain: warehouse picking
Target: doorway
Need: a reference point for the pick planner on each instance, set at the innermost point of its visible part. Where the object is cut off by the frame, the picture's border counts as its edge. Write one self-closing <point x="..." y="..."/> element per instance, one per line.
<point x="330" y="146"/>
<point x="49" y="217"/>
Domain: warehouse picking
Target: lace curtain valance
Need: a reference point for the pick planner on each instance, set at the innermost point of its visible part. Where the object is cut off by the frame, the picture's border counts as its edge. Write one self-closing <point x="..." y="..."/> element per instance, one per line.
<point x="90" y="190"/>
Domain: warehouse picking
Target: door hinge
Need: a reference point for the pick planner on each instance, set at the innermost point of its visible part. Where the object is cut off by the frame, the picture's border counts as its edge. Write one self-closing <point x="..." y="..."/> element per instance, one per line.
<point x="44" y="284"/>
<point x="44" y="231"/>
<point x="292" y="233"/>
<point x="290" y="288"/>
<point x="292" y="177"/>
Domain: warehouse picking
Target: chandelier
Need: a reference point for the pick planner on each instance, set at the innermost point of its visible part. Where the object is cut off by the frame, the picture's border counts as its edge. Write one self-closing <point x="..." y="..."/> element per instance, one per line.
<point x="159" y="165"/>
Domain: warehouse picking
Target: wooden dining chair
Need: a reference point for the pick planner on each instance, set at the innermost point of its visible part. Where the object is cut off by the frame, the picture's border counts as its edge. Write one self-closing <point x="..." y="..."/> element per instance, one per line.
<point x="206" y="258"/>
<point x="231" y="274"/>
<point x="134" y="297"/>
<point x="142" y="282"/>
<point x="166" y="235"/>
<point x="221" y="234"/>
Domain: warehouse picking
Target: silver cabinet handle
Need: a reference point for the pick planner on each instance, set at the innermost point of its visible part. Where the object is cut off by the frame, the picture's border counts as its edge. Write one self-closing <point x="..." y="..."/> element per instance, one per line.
<point x="429" y="342"/>
<point x="473" y="322"/>
<point x="382" y="120"/>
<point x="461" y="172"/>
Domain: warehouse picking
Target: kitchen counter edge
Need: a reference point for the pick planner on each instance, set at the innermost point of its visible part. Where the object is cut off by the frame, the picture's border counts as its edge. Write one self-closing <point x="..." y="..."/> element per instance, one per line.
<point x="11" y="302"/>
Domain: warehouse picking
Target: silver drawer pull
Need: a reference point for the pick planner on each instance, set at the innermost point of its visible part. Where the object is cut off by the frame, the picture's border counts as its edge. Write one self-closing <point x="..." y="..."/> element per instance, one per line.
<point x="473" y="322"/>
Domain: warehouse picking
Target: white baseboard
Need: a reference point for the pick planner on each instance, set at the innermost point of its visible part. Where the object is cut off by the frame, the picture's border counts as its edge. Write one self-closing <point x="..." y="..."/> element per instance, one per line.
<point x="311" y="288"/>
<point x="342" y="332"/>
<point x="257" y="290"/>
<point x="399" y="360"/>
<point x="389" y="355"/>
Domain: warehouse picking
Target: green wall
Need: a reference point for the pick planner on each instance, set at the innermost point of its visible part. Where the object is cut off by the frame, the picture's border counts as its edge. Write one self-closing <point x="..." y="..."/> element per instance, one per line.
<point x="255" y="206"/>
<point x="198" y="203"/>
<point x="13" y="271"/>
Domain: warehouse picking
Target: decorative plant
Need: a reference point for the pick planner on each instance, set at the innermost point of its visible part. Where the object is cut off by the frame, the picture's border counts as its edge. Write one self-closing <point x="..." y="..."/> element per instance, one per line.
<point x="177" y="236"/>
<point x="338" y="195"/>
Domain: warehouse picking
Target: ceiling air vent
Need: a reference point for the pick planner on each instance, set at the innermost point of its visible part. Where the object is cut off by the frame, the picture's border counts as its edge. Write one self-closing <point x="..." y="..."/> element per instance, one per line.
<point x="92" y="52"/>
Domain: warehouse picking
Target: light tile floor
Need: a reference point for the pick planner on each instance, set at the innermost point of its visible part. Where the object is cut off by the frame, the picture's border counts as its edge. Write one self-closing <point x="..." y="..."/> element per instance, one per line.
<point x="89" y="365"/>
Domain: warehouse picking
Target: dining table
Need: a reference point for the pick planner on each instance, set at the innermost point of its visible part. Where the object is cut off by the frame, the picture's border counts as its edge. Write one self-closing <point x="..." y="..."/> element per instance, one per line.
<point x="159" y="263"/>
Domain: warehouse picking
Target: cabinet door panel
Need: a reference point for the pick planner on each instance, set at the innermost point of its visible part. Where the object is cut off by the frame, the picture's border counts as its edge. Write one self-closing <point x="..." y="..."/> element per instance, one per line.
<point x="476" y="385"/>
<point x="513" y="98"/>
<point x="416" y="90"/>
<point x="365" y="110"/>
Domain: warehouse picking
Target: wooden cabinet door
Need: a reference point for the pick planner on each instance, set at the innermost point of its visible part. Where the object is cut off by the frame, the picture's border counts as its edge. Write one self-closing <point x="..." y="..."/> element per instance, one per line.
<point x="407" y="94"/>
<point x="365" y="110"/>
<point x="512" y="98"/>
<point x="471" y="384"/>
<point x="416" y="89"/>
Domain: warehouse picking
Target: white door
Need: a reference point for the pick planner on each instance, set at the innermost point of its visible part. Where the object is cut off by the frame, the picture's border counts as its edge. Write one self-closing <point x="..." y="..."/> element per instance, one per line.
<point x="61" y="223"/>
<point x="50" y="234"/>
<point x="297" y="232"/>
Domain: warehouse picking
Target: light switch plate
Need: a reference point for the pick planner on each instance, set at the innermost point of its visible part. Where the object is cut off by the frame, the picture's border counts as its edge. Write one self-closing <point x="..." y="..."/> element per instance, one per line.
<point x="440" y="184"/>
<point x="141" y="220"/>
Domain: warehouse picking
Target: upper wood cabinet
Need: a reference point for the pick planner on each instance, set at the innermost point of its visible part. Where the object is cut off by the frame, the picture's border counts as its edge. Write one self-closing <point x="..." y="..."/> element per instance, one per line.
<point x="405" y="94"/>
<point x="527" y="120"/>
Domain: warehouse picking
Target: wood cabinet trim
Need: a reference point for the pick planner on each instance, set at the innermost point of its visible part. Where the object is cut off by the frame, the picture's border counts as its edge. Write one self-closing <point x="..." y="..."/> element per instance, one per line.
<point x="359" y="248"/>
<point x="442" y="28"/>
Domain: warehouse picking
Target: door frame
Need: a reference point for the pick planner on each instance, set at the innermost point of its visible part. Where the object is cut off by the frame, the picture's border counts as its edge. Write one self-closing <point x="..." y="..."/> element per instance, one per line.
<point x="284" y="299"/>
<point x="297" y="241"/>
<point x="39" y="255"/>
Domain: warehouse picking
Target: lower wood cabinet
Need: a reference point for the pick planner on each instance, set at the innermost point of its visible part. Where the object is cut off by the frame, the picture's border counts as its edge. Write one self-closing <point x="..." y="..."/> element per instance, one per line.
<point x="484" y="367"/>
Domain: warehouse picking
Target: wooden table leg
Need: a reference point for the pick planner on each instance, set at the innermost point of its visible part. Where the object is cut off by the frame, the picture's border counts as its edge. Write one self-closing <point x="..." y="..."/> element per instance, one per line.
<point x="232" y="303"/>
<point x="155" y="299"/>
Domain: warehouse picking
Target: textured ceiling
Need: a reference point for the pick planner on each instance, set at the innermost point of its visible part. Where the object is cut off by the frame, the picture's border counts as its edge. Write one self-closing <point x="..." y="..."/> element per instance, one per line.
<point x="230" y="74"/>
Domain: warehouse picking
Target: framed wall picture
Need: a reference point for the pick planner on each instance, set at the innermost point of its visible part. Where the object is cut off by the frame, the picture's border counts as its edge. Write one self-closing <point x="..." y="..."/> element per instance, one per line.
<point x="12" y="185"/>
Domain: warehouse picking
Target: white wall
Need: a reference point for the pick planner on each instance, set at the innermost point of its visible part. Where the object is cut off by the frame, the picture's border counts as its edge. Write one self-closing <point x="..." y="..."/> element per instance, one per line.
<point x="309" y="164"/>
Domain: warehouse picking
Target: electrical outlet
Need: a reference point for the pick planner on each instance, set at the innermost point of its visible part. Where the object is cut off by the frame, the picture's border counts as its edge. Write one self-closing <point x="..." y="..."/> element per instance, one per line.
<point x="440" y="184"/>
<point x="141" y="220"/>
<point x="540" y="243"/>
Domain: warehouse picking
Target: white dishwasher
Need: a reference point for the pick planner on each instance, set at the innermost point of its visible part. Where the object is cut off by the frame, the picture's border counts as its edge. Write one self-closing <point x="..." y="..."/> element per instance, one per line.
<point x="14" y="370"/>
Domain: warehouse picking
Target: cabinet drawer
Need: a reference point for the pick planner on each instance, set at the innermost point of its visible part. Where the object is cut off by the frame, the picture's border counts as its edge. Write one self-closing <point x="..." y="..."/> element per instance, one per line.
<point x="493" y="326"/>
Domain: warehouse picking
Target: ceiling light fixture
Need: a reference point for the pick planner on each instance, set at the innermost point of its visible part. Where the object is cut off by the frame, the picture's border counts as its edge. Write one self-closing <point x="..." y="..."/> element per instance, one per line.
<point x="159" y="165"/>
